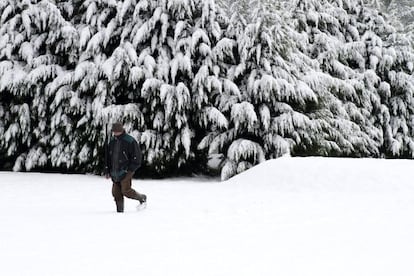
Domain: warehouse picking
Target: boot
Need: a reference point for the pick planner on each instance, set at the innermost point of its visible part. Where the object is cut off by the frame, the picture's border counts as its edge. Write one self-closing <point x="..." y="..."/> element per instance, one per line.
<point x="119" y="206"/>
<point x="142" y="202"/>
<point x="142" y="199"/>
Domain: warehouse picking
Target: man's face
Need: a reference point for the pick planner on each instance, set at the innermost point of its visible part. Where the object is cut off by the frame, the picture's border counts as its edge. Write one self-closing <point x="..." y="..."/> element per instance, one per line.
<point x="116" y="133"/>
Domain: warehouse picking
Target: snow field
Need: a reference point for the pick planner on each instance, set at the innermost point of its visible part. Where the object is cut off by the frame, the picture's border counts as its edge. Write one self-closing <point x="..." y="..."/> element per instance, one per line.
<point x="290" y="216"/>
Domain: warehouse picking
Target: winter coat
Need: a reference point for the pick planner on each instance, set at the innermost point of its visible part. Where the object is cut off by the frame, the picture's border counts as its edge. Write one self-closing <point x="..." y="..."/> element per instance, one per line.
<point x="122" y="155"/>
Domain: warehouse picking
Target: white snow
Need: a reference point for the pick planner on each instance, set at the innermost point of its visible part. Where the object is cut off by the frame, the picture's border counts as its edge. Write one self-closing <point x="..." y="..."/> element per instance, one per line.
<point x="290" y="216"/>
<point x="243" y="113"/>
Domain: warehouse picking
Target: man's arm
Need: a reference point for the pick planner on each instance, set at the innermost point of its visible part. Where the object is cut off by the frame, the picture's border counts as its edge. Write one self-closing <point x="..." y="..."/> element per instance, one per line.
<point x="107" y="159"/>
<point x="135" y="157"/>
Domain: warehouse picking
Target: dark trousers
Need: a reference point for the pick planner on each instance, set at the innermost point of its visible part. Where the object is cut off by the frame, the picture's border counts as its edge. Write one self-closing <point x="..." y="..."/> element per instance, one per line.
<point x="123" y="188"/>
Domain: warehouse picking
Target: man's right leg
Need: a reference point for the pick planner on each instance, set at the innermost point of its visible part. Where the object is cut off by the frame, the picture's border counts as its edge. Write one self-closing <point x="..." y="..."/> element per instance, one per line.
<point x="127" y="190"/>
<point x="118" y="196"/>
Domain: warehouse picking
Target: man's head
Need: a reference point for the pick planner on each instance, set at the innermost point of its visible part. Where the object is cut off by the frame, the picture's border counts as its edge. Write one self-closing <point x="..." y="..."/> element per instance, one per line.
<point x="117" y="128"/>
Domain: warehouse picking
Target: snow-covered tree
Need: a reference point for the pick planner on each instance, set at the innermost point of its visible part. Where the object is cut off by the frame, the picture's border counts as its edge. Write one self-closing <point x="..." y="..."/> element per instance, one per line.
<point x="262" y="98"/>
<point x="347" y="89"/>
<point x="401" y="13"/>
<point x="364" y="55"/>
<point x="36" y="44"/>
<point x="97" y="89"/>
<point x="163" y="70"/>
<point x="244" y="81"/>
<point x="391" y="55"/>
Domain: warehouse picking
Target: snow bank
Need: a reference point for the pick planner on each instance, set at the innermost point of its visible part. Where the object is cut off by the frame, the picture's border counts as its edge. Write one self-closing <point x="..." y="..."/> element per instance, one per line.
<point x="331" y="174"/>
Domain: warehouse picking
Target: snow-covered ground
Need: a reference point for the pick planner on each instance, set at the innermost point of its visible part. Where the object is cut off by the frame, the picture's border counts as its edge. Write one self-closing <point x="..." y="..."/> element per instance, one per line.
<point x="290" y="216"/>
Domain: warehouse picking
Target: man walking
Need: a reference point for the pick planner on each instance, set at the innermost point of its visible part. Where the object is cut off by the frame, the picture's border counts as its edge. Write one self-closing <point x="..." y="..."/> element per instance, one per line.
<point x="122" y="159"/>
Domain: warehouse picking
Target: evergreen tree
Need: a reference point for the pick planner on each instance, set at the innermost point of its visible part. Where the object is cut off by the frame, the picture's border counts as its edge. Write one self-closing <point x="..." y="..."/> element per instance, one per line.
<point x="249" y="82"/>
<point x="264" y="101"/>
<point x="347" y="89"/>
<point x="356" y="46"/>
<point x="166" y="60"/>
<point x="391" y="55"/>
<point x="401" y="14"/>
<point x="37" y="43"/>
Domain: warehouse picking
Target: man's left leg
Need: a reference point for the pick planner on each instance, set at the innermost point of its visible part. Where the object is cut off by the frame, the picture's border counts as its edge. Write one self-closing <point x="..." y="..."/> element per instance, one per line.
<point x="118" y="197"/>
<point x="128" y="191"/>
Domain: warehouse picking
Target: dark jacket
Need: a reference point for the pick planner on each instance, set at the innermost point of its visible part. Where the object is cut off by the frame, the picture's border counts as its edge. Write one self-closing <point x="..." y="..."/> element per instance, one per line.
<point x="122" y="154"/>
